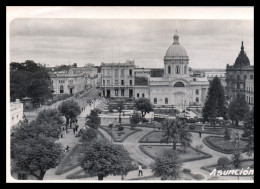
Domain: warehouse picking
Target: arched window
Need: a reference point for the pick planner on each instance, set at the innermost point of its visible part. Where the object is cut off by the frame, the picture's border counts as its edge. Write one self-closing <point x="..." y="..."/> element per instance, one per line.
<point x="179" y="84"/>
<point x="61" y="89"/>
<point x="155" y="100"/>
<point x="169" y="69"/>
<point x="177" y="69"/>
<point x="166" y="100"/>
<point x="197" y="99"/>
<point x="197" y="91"/>
<point x="185" y="69"/>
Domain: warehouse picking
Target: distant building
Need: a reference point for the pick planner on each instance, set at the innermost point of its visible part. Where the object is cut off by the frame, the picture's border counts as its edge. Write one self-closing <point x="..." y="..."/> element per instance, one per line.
<point x="214" y="74"/>
<point x="16" y="112"/>
<point x="249" y="93"/>
<point x="238" y="74"/>
<point x="74" y="81"/>
<point x="117" y="79"/>
<point x="164" y="87"/>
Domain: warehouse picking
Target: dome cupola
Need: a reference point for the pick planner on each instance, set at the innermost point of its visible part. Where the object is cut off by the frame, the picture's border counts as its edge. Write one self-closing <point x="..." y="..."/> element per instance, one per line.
<point x="176" y="50"/>
<point x="242" y="59"/>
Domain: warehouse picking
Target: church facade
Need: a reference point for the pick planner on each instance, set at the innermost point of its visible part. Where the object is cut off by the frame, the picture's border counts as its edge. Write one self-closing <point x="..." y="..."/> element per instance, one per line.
<point x="175" y="88"/>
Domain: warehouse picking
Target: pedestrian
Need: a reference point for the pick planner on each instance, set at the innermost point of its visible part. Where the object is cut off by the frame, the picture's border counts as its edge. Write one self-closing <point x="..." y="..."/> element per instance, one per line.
<point x="82" y="109"/>
<point x="74" y="130"/>
<point x="76" y="120"/>
<point x="77" y="126"/>
<point x="140" y="170"/>
<point x="200" y="133"/>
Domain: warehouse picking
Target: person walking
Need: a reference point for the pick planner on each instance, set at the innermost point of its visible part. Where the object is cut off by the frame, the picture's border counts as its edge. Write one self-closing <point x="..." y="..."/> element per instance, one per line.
<point x="200" y="133"/>
<point x="77" y="126"/>
<point x="140" y="170"/>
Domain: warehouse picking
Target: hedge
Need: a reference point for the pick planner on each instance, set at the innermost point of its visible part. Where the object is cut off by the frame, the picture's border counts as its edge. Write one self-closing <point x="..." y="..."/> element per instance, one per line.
<point x="217" y="148"/>
<point x="190" y="159"/>
<point x="122" y="139"/>
<point x="60" y="170"/>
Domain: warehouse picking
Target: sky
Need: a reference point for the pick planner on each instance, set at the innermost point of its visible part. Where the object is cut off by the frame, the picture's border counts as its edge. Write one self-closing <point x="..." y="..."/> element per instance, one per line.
<point x="57" y="41"/>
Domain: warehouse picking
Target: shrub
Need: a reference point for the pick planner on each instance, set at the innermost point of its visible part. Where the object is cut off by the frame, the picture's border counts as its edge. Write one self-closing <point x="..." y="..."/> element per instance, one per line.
<point x="135" y="119"/>
<point x="120" y="128"/>
<point x="246" y="134"/>
<point x="145" y="120"/>
<point x="110" y="110"/>
<point x="192" y="127"/>
<point x="198" y="176"/>
<point x="223" y="162"/>
<point x="186" y="170"/>
<point x="227" y="134"/>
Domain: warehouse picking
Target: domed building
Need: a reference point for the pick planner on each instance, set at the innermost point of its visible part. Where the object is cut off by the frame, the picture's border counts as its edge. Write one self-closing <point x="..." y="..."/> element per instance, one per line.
<point x="239" y="75"/>
<point x="176" y="87"/>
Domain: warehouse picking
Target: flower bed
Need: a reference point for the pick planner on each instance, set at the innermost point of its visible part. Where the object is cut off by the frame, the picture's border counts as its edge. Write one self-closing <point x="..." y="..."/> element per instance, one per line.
<point x="245" y="164"/>
<point x="191" y="154"/>
<point x="123" y="134"/>
<point x="221" y="145"/>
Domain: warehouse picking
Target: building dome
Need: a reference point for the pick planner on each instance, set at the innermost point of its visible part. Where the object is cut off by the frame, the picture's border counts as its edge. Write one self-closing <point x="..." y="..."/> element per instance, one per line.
<point x="176" y="50"/>
<point x="242" y="59"/>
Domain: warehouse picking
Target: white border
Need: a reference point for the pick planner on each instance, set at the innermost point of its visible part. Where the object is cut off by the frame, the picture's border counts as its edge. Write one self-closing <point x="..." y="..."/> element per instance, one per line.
<point x="118" y="12"/>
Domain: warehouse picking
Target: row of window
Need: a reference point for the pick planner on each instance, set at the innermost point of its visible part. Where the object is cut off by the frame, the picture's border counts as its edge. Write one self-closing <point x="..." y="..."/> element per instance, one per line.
<point x="122" y="92"/>
<point x="249" y="99"/>
<point x="245" y="77"/>
<point x="116" y="82"/>
<point x="116" y="72"/>
<point x="17" y="116"/>
<point x="249" y="89"/>
<point x="137" y="95"/>
<point x="177" y="69"/>
<point x="166" y="100"/>
<point x="63" y="81"/>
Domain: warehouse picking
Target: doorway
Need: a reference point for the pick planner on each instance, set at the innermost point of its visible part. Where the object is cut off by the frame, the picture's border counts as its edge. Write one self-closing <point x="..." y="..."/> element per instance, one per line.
<point x="130" y="93"/>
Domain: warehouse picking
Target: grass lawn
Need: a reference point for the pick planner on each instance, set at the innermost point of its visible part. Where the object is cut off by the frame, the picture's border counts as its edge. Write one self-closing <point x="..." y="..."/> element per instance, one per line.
<point x="220" y="144"/>
<point x="120" y="136"/>
<point x="156" y="150"/>
<point x="153" y="136"/>
<point x="207" y="129"/>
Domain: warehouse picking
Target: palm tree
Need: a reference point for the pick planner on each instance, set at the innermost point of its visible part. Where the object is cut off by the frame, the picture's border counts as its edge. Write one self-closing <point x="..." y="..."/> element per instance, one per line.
<point x="173" y="130"/>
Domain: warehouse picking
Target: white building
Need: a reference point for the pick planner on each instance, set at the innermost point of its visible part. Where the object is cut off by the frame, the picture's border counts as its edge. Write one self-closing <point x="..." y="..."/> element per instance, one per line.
<point x="249" y="92"/>
<point x="16" y="112"/>
<point x="74" y="81"/>
<point x="176" y="86"/>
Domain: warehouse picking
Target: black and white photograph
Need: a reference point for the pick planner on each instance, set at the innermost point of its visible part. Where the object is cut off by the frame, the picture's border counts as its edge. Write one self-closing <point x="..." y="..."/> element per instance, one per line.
<point x="130" y="94"/>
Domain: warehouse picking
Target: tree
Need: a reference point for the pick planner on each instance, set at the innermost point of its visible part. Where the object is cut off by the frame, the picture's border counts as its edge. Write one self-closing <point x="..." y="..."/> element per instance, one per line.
<point x="102" y="159"/>
<point x="120" y="107"/>
<point x="93" y="120"/>
<point x="167" y="166"/>
<point x="215" y="105"/>
<point x="249" y="130"/>
<point x="144" y="105"/>
<point x="173" y="129"/>
<point x="34" y="152"/>
<point x="30" y="79"/>
<point x="238" y="109"/>
<point x="70" y="110"/>
<point x="89" y="135"/>
<point x="52" y="119"/>
<point x="135" y="118"/>
<point x="223" y="162"/>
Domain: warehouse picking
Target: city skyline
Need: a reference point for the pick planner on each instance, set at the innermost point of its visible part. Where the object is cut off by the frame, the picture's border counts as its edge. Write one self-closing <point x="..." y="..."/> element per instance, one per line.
<point x="209" y="43"/>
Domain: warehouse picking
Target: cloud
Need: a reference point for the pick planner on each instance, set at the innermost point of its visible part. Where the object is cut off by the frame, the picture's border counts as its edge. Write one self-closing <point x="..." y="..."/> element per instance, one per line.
<point x="209" y="43"/>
